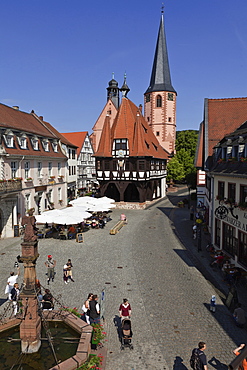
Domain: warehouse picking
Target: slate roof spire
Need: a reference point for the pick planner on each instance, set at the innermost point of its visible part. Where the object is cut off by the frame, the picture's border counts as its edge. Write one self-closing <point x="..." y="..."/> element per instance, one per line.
<point x="160" y="77"/>
<point x="125" y="88"/>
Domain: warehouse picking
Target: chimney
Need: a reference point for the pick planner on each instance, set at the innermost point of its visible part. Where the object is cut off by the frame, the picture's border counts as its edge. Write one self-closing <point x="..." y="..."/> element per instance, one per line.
<point x="41" y="117"/>
<point x="140" y="108"/>
<point x="16" y="107"/>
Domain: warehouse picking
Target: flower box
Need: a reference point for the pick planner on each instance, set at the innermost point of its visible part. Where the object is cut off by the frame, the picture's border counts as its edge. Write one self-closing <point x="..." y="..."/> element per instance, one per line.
<point x="28" y="179"/>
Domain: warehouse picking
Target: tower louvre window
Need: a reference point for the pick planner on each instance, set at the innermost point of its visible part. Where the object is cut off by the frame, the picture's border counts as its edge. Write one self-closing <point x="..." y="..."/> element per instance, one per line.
<point x="170" y="96"/>
<point x="147" y="98"/>
<point x="159" y="101"/>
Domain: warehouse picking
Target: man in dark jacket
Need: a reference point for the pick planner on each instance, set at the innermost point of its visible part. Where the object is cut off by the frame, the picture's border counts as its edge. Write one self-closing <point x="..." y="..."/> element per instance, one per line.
<point x="15" y="292"/>
<point x="94" y="310"/>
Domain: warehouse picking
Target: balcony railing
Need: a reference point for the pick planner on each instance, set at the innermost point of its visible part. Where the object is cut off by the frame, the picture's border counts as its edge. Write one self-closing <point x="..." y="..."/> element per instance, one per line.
<point x="8" y="186"/>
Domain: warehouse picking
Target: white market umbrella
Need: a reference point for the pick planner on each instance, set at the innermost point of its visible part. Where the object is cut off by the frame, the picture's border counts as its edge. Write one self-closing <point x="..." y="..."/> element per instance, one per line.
<point x="81" y="201"/>
<point x="47" y="216"/>
<point x="106" y="200"/>
<point x="78" y="212"/>
<point x="99" y="208"/>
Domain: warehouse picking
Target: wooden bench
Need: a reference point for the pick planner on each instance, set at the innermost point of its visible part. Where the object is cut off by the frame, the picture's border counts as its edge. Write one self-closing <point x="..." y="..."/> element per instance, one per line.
<point x="117" y="227"/>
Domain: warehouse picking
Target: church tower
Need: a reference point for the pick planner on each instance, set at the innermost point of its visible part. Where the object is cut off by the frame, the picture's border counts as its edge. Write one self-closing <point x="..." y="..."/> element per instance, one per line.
<point x="160" y="97"/>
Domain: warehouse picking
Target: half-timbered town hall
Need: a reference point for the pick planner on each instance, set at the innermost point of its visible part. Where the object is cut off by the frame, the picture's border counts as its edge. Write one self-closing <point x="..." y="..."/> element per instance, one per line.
<point x="131" y="150"/>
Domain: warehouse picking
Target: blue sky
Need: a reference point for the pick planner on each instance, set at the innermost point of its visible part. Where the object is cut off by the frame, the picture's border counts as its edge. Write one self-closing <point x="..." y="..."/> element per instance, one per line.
<point x="57" y="57"/>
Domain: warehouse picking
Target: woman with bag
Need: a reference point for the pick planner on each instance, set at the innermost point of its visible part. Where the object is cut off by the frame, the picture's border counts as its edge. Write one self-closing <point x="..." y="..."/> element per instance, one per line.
<point x="86" y="309"/>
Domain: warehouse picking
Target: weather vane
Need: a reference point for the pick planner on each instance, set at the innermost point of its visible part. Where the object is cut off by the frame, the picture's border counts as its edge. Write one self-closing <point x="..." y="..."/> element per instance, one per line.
<point x="162" y="8"/>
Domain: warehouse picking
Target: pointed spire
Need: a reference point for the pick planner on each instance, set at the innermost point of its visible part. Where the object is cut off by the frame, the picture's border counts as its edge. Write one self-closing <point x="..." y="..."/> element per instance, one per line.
<point x="125" y="88"/>
<point x="160" y="77"/>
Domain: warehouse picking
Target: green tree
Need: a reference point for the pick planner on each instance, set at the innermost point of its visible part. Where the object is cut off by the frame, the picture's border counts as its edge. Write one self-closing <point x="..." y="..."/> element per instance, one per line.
<point x="175" y="170"/>
<point x="187" y="140"/>
<point x="181" y="166"/>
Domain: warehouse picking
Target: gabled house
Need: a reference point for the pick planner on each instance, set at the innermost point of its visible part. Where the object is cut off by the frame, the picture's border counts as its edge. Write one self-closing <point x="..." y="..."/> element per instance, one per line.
<point x="70" y="150"/>
<point x="31" y="161"/>
<point x="86" y="172"/>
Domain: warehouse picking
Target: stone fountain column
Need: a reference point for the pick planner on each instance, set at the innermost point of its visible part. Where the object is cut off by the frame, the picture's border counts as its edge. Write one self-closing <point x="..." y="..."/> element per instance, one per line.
<point x="30" y="327"/>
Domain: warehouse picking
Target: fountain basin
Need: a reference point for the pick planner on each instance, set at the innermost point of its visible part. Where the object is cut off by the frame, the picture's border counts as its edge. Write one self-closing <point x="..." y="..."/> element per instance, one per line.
<point x="82" y="346"/>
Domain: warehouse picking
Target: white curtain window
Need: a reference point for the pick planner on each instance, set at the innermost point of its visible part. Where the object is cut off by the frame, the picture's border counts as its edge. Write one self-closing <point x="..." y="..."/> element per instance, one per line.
<point x="13" y="169"/>
<point x="27" y="169"/>
<point x="39" y="166"/>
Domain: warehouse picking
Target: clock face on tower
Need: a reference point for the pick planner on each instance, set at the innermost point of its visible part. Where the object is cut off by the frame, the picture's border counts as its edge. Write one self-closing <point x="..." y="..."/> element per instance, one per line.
<point x="120" y="153"/>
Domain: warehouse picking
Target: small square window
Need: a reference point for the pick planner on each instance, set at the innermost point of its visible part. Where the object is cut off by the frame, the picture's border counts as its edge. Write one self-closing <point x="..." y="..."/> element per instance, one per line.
<point x="157" y="133"/>
<point x="170" y="96"/>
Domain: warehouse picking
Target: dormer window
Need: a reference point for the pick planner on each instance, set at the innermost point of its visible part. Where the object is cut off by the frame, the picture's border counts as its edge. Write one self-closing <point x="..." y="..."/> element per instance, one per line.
<point x="45" y="143"/>
<point x="55" y="146"/>
<point x="120" y="147"/>
<point x="22" y="140"/>
<point x="9" y="138"/>
<point x="35" y="143"/>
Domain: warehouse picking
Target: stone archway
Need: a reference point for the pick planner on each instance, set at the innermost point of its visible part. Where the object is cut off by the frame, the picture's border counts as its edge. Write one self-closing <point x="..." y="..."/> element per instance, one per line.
<point x="131" y="193"/>
<point x="112" y="192"/>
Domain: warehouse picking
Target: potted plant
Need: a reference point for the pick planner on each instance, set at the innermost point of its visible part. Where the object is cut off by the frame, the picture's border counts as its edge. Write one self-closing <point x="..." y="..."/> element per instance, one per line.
<point x="181" y="204"/>
<point x="52" y="177"/>
<point x="29" y="179"/>
<point x="60" y="201"/>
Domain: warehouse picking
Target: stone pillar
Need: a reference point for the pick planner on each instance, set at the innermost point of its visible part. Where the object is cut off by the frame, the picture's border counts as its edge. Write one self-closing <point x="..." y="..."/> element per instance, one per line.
<point x="30" y="326"/>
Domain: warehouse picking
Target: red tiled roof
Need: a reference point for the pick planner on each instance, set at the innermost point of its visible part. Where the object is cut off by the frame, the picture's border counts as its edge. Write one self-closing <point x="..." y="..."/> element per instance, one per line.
<point x="199" y="153"/>
<point x="105" y="143"/>
<point x="224" y="116"/>
<point x="28" y="122"/>
<point x="130" y="124"/>
<point x="76" y="138"/>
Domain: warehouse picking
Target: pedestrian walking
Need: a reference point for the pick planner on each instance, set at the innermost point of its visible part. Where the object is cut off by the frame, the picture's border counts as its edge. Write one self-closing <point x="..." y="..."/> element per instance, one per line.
<point x="11" y="282"/>
<point x="50" y="264"/>
<point x="125" y="309"/>
<point x="69" y="270"/>
<point x="239" y="316"/>
<point x="198" y="360"/>
<point x="94" y="310"/>
<point x="15" y="292"/>
<point x="213" y="303"/>
<point x="65" y="273"/>
<point x="237" y="353"/>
